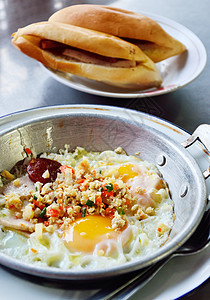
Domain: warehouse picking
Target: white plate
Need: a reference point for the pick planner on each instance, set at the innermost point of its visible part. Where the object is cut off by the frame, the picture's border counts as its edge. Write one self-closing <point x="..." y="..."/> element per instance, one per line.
<point x="176" y="71"/>
<point x="178" y="277"/>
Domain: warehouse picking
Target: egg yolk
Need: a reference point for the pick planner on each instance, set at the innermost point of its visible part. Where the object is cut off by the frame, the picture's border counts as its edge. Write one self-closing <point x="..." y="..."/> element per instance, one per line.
<point x="127" y="172"/>
<point x="85" y="233"/>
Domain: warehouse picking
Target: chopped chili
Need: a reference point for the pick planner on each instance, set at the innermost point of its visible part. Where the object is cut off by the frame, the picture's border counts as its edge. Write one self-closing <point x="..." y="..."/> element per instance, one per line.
<point x="80" y="181"/>
<point x="36" y="203"/>
<point x="109" y="212"/>
<point x="33" y="250"/>
<point x="64" y="167"/>
<point x="28" y="151"/>
<point x="53" y="212"/>
<point x="98" y="200"/>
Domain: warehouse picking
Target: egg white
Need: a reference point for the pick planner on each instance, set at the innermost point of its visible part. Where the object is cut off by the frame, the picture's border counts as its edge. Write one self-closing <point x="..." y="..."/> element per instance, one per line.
<point x="140" y="238"/>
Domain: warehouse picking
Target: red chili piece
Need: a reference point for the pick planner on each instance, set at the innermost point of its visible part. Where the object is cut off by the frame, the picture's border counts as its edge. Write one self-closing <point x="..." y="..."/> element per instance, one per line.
<point x="37" y="167"/>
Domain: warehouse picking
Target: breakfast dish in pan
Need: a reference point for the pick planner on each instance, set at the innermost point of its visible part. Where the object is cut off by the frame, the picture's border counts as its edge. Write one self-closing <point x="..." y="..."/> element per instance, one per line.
<point x="84" y="210"/>
<point x="33" y="134"/>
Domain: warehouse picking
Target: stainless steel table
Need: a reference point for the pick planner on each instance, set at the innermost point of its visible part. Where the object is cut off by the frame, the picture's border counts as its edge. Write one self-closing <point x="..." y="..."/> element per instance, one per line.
<point x="24" y="84"/>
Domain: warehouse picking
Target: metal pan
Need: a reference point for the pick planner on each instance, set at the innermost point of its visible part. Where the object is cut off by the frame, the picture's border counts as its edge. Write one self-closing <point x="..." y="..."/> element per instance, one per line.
<point x="99" y="128"/>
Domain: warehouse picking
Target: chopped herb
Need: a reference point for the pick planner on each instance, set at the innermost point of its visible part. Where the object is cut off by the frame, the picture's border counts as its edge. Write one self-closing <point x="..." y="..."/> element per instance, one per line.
<point x="36" y="188"/>
<point x="35" y="197"/>
<point x="109" y="187"/>
<point x="100" y="189"/>
<point x="100" y="171"/>
<point x="120" y="211"/>
<point x="89" y="203"/>
<point x="42" y="213"/>
<point x="84" y="209"/>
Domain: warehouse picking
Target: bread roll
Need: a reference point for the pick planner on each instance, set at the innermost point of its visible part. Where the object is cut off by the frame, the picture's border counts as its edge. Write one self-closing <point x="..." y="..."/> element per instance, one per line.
<point x="87" y="53"/>
<point x="134" y="27"/>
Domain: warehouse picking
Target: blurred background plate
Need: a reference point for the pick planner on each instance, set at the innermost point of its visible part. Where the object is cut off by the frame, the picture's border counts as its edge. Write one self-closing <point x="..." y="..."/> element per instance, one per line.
<point x="176" y="71"/>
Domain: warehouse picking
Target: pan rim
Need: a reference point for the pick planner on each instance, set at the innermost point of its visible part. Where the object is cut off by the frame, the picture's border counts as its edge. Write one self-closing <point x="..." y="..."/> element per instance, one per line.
<point x="66" y="274"/>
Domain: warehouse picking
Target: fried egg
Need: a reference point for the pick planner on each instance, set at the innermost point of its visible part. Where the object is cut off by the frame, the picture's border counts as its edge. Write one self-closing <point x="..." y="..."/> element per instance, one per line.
<point x="91" y="241"/>
<point x="144" y="182"/>
<point x="85" y="233"/>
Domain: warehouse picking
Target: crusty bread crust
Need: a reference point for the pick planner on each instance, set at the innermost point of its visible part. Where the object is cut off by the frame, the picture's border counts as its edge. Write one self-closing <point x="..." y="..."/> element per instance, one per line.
<point x="122" y="23"/>
<point x="145" y="75"/>
<point x="82" y="38"/>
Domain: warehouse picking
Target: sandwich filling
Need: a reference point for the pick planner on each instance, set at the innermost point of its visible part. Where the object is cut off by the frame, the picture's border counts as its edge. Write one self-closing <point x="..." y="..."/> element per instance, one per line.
<point x="79" y="55"/>
<point x="88" y="53"/>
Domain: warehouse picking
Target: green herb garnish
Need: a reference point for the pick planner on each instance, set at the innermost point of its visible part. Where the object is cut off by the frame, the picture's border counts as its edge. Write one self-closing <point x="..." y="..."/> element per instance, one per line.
<point x="84" y="209"/>
<point x="109" y="187"/>
<point x="120" y="211"/>
<point x="35" y="197"/>
<point x="89" y="203"/>
<point x="100" y="189"/>
<point x="42" y="213"/>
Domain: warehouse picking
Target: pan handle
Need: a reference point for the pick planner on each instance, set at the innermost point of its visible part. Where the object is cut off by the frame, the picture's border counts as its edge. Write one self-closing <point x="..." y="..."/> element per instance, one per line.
<point x="202" y="134"/>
